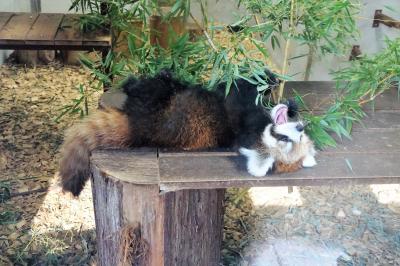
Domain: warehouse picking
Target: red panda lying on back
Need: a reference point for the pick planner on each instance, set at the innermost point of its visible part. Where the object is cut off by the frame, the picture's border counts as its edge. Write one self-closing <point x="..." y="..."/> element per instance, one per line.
<point x="162" y="111"/>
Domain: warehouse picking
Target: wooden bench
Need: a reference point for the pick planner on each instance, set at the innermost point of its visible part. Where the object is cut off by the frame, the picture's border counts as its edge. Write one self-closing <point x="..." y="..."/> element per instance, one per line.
<point x="34" y="31"/>
<point x="174" y="200"/>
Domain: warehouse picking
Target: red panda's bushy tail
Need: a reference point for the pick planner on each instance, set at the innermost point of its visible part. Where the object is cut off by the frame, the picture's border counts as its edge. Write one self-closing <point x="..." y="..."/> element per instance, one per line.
<point x="107" y="128"/>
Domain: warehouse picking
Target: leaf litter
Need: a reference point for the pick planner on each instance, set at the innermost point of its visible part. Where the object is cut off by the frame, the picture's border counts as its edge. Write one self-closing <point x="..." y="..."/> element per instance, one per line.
<point x="38" y="224"/>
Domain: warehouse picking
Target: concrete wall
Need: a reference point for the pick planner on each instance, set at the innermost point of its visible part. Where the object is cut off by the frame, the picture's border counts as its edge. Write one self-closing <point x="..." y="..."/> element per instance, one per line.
<point x="55" y="6"/>
<point x="49" y="6"/>
<point x="371" y="40"/>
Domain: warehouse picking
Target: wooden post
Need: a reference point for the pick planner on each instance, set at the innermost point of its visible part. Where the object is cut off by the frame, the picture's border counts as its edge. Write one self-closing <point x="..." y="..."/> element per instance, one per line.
<point x="36" y="6"/>
<point x="138" y="225"/>
<point x="161" y="31"/>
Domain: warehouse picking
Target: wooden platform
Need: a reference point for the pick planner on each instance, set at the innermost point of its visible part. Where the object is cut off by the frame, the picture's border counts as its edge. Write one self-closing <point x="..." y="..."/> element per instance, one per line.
<point x="175" y="199"/>
<point x="48" y="31"/>
<point x="371" y="157"/>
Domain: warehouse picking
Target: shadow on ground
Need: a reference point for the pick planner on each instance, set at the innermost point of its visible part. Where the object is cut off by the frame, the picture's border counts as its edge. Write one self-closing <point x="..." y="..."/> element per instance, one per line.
<point x="34" y="223"/>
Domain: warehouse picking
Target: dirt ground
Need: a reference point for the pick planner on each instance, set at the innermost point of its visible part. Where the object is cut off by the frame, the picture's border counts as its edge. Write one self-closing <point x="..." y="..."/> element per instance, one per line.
<point x="353" y="225"/>
<point x="39" y="226"/>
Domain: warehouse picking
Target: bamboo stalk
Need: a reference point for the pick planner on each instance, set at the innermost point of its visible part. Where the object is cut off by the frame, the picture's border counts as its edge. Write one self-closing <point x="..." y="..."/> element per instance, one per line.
<point x="287" y="46"/>
<point x="310" y="58"/>
<point x="361" y="99"/>
<point x="256" y="19"/>
<point x="204" y="32"/>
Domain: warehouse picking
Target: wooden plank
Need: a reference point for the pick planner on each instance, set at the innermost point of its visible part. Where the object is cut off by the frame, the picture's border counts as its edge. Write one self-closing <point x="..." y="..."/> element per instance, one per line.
<point x="319" y="95"/>
<point x="379" y="120"/>
<point x="68" y="33"/>
<point x="369" y="141"/>
<point x="44" y="29"/>
<point x="230" y="171"/>
<point x="139" y="166"/>
<point x="375" y="145"/>
<point x="14" y="32"/>
<point x="373" y="157"/>
<point x="97" y="39"/>
<point x="4" y="17"/>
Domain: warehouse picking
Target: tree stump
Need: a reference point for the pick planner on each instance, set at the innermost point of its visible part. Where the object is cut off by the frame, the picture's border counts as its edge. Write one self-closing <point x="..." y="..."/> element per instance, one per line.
<point x="138" y="225"/>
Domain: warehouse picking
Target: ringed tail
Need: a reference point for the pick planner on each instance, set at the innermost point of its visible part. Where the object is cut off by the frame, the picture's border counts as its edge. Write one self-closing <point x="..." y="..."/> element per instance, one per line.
<point x="107" y="128"/>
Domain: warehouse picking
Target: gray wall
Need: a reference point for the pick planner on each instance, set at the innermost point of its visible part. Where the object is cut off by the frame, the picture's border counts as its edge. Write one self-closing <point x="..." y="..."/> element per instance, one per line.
<point x="49" y="6"/>
<point x="371" y="41"/>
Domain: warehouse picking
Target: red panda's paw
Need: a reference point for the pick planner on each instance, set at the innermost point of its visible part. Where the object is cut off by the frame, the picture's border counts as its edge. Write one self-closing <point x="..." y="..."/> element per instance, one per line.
<point x="309" y="161"/>
<point x="281" y="167"/>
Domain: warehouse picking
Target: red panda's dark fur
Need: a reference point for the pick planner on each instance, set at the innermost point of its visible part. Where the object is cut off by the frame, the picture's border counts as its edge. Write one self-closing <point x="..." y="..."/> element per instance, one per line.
<point x="164" y="112"/>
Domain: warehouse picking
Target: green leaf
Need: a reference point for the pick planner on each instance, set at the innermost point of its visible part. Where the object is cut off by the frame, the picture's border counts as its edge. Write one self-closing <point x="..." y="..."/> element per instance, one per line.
<point x="349" y="165"/>
<point x="262" y="87"/>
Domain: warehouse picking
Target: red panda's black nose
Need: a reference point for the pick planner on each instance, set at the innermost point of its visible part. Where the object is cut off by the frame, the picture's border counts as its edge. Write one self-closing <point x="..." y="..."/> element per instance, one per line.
<point x="300" y="127"/>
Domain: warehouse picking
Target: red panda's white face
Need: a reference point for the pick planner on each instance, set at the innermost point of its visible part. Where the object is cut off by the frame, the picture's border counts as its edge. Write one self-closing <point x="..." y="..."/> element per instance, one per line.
<point x="288" y="132"/>
<point x="283" y="133"/>
<point x="284" y="136"/>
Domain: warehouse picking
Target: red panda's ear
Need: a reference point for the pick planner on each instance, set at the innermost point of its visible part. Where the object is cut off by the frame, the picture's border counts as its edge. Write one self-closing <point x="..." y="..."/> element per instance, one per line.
<point x="292" y="108"/>
<point x="279" y="114"/>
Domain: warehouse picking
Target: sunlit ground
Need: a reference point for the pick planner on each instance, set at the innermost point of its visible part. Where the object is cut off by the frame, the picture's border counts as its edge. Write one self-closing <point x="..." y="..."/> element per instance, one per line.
<point x="343" y="225"/>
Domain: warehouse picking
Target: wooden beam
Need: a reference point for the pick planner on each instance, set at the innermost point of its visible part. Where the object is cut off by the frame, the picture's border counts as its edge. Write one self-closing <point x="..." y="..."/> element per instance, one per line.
<point x="14" y="32"/>
<point x="140" y="167"/>
<point x="4" y="18"/>
<point x="379" y="120"/>
<point x="36" y="6"/>
<point x="32" y="31"/>
<point x="44" y="30"/>
<point x="345" y="164"/>
<point x="68" y="33"/>
<point x="380" y="18"/>
<point x="355" y="53"/>
<point x="171" y="203"/>
<point x="99" y="38"/>
<point x="188" y="172"/>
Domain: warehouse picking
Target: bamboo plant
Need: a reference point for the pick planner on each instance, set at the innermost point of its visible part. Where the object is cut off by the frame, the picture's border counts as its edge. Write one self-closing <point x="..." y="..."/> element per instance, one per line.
<point x="324" y="27"/>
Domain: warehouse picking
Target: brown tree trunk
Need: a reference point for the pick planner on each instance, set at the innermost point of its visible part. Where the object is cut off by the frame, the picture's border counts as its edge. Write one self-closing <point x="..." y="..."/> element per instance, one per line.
<point x="136" y="225"/>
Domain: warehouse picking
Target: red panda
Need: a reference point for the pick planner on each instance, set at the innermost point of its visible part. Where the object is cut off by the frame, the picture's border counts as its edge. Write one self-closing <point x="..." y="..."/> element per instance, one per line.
<point x="162" y="111"/>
